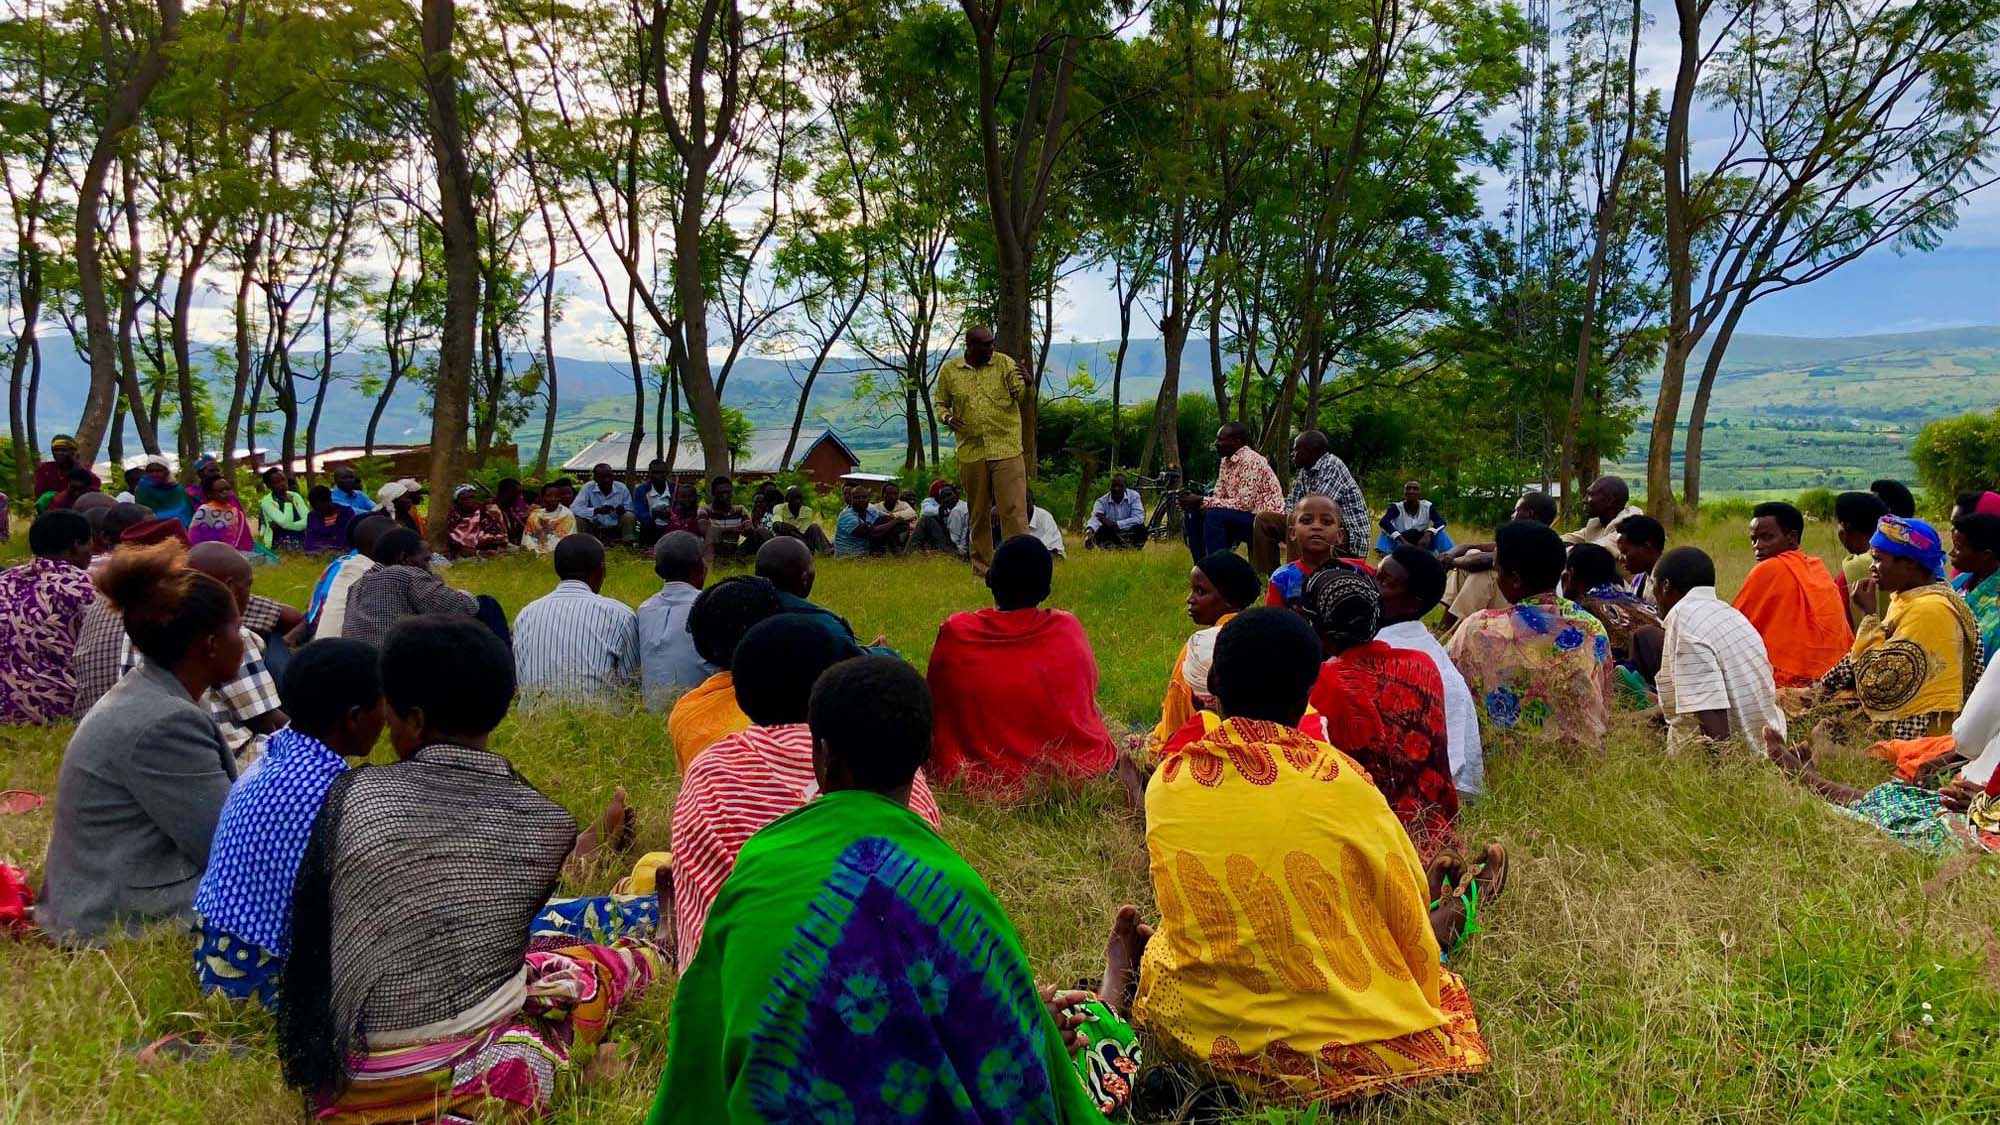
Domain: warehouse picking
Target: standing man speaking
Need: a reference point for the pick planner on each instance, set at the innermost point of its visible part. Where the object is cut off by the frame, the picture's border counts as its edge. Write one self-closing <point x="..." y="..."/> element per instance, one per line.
<point x="979" y="396"/>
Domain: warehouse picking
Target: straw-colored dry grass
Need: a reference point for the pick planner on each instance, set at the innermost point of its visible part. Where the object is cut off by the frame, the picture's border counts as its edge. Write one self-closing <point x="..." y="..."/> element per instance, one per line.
<point x="1683" y="940"/>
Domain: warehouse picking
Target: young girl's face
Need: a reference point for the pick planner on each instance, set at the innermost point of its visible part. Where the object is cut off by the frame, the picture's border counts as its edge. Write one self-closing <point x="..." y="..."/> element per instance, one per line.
<point x="1316" y="527"/>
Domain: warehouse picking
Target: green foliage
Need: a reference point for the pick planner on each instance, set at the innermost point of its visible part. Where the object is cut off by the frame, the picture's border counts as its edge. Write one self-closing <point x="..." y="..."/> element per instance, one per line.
<point x="1962" y="454"/>
<point x="1816" y="503"/>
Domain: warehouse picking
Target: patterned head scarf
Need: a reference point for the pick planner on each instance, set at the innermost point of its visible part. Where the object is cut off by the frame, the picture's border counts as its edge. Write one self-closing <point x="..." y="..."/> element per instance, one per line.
<point x="1343" y="606"/>
<point x="1911" y="539"/>
<point x="462" y="490"/>
<point x="63" y="443"/>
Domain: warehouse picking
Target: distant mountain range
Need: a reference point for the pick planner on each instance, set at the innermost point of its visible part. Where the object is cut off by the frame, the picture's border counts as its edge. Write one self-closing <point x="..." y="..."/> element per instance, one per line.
<point x="1788" y="412"/>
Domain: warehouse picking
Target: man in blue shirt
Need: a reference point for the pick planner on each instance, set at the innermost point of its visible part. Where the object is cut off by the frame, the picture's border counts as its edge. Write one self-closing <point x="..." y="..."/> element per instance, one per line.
<point x="1117" y="520"/>
<point x="347" y="490"/>
<point x="653" y="501"/>
<point x="605" y="505"/>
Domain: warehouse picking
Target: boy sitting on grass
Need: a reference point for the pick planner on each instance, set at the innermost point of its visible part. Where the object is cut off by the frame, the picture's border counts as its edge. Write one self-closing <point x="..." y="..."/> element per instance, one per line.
<point x="1317" y="536"/>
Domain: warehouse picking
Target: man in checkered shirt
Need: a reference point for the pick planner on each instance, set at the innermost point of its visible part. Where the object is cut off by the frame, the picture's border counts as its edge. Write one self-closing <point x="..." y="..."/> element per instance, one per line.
<point x="246" y="709"/>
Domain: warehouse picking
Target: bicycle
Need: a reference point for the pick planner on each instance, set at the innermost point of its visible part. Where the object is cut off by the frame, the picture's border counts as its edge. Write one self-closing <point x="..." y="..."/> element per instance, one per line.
<point x="1165" y="521"/>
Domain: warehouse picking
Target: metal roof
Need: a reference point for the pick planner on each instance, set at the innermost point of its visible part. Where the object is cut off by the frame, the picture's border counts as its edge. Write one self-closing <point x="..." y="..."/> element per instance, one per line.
<point x="762" y="454"/>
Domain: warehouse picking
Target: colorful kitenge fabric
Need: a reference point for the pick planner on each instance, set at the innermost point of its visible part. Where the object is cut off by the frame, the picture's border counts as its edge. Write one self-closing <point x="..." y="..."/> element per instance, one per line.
<point x="1911" y="539"/>
<point x="507" y="1072"/>
<point x="246" y="893"/>
<point x="1384" y="708"/>
<point x="1294" y="954"/>
<point x="854" y="968"/>
<point x="42" y="603"/>
<point x="1914" y="667"/>
<point x="595" y="919"/>
<point x="1540" y="665"/>
<point x="1621" y="612"/>
<point x="1917" y="818"/>
<point x="228" y="966"/>
<point x="221" y="523"/>
<point x="1110" y="1057"/>
<point x="1983" y="599"/>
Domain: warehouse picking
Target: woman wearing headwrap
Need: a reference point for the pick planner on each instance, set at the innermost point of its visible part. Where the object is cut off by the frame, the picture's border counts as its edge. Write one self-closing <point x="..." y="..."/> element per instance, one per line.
<point x="220" y="518"/>
<point x="1220" y="586"/>
<point x="1016" y="685"/>
<point x="1384" y="706"/>
<point x="1913" y="664"/>
<point x="474" y="528"/>
<point x="159" y="491"/>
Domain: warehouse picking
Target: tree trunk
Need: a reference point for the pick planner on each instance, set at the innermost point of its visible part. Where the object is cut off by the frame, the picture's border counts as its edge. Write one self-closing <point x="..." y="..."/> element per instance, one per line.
<point x="1014" y="335"/>
<point x="673" y="400"/>
<point x="245" y="280"/>
<point x="128" y="315"/>
<point x="1681" y="333"/>
<point x="121" y="113"/>
<point x="189" y="442"/>
<point x="1698" y="415"/>
<point x="24" y="349"/>
<point x="461" y="256"/>
<point x="548" y="354"/>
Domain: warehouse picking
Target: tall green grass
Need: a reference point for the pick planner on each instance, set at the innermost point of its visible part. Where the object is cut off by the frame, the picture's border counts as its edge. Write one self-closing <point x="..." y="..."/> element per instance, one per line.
<point x="1682" y="940"/>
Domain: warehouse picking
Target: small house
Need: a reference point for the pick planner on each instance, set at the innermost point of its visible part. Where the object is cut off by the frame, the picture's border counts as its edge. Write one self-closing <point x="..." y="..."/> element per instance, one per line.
<point x="819" y="455"/>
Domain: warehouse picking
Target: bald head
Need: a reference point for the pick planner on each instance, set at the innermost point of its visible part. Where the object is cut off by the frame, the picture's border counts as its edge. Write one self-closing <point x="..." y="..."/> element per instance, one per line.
<point x="679" y="556"/>
<point x="226" y="565"/>
<point x="1606" y="497"/>
<point x="787" y="563"/>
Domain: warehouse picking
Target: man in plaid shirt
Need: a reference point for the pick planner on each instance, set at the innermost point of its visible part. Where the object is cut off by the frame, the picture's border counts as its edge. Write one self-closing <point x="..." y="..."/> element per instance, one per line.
<point x="1319" y="473"/>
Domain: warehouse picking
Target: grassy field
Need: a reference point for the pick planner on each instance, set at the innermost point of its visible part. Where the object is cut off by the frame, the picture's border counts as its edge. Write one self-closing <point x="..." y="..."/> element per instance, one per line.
<point x="1682" y="939"/>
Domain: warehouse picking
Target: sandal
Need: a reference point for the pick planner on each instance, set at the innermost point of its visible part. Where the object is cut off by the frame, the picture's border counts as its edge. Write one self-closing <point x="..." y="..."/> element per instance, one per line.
<point x="16" y="801"/>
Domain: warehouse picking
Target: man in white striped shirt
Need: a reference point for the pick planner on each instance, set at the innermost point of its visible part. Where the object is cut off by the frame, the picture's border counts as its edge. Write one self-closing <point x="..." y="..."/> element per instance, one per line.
<point x="1715" y="681"/>
<point x="573" y="643"/>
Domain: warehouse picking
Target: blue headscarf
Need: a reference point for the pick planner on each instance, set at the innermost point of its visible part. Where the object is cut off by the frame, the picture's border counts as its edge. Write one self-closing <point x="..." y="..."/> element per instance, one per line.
<point x="1910" y="539"/>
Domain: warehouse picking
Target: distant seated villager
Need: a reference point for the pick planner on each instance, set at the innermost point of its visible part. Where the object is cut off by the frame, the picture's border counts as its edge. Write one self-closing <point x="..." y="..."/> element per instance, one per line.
<point x="1715" y="681"/>
<point x="1328" y="985"/>
<point x="144" y="776"/>
<point x="412" y="993"/>
<point x="941" y="521"/>
<point x="1641" y="541"/>
<point x="1608" y="502"/>
<point x="668" y="663"/>
<point x="42" y="605"/>
<point x="472" y="526"/>
<point x="1118" y="519"/>
<point x="1384" y="707"/>
<point x="281" y="512"/>
<point x="549" y="522"/>
<point x="1472" y="585"/>
<point x="1975" y="555"/>
<point x="894" y="510"/>
<point x="1043" y="526"/>
<point x="604" y="507"/>
<point x="1016" y="685"/>
<point x="1542" y="665"/>
<point x="1915" y="659"/>
<point x="860" y="530"/>
<point x="327" y="611"/>
<point x="1591" y="580"/>
<point x="220" y="518"/>
<point x="1791" y="599"/>
<point x="326" y="522"/>
<point x="854" y="961"/>
<point x="796" y="517"/>
<point x="1244" y="486"/>
<point x="573" y="644"/>
<point x="401" y="585"/>
<point x="1416" y="522"/>
<point x="1220" y="586"/>
<point x="755" y="776"/>
<point x="725" y="524"/>
<point x="1855" y="515"/>
<point x="719" y="619"/>
<point x="333" y="692"/>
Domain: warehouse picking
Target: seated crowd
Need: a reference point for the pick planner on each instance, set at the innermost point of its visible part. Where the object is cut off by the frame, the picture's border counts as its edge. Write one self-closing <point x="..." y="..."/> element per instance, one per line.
<point x="837" y="958"/>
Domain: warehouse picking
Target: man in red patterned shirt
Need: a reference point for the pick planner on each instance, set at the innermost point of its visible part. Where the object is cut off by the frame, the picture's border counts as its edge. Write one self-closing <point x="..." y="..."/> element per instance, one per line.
<point x="1244" y="486"/>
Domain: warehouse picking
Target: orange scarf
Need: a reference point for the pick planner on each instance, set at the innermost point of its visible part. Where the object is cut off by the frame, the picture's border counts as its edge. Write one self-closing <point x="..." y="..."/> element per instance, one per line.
<point x="1792" y="601"/>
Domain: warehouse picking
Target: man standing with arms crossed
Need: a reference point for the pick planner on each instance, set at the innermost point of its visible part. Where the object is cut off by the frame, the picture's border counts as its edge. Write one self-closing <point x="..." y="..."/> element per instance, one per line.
<point x="979" y="397"/>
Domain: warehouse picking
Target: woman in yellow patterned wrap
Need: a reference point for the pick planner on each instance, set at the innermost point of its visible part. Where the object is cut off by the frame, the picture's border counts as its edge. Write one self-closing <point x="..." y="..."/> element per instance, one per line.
<point x="1295" y="955"/>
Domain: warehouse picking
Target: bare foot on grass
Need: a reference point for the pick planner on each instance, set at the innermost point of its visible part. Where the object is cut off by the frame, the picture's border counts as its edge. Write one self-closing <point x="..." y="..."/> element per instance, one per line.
<point x="1796" y="762"/>
<point x="1133" y="780"/>
<point x="613" y="830"/>
<point x="1121" y="957"/>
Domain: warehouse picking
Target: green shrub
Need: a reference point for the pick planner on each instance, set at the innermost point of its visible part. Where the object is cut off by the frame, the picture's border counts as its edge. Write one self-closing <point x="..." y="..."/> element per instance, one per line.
<point x="1816" y="503"/>
<point x="1962" y="454"/>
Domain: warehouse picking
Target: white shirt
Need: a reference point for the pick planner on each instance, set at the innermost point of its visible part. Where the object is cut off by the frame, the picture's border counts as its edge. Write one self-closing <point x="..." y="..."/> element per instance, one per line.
<point x="1977" y="730"/>
<point x="576" y="644"/>
<point x="958" y="521"/>
<point x="1714" y="660"/>
<point x="333" y="611"/>
<point x="1604" y="533"/>
<point x="1042" y="526"/>
<point x="1461" y="714"/>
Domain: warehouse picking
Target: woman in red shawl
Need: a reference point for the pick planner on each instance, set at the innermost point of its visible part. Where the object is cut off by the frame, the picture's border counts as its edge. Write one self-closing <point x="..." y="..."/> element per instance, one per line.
<point x="1384" y="706"/>
<point x="1015" y="687"/>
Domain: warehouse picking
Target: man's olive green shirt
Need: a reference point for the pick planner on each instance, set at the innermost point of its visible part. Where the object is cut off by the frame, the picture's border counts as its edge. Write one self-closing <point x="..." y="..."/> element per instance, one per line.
<point x="986" y="400"/>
